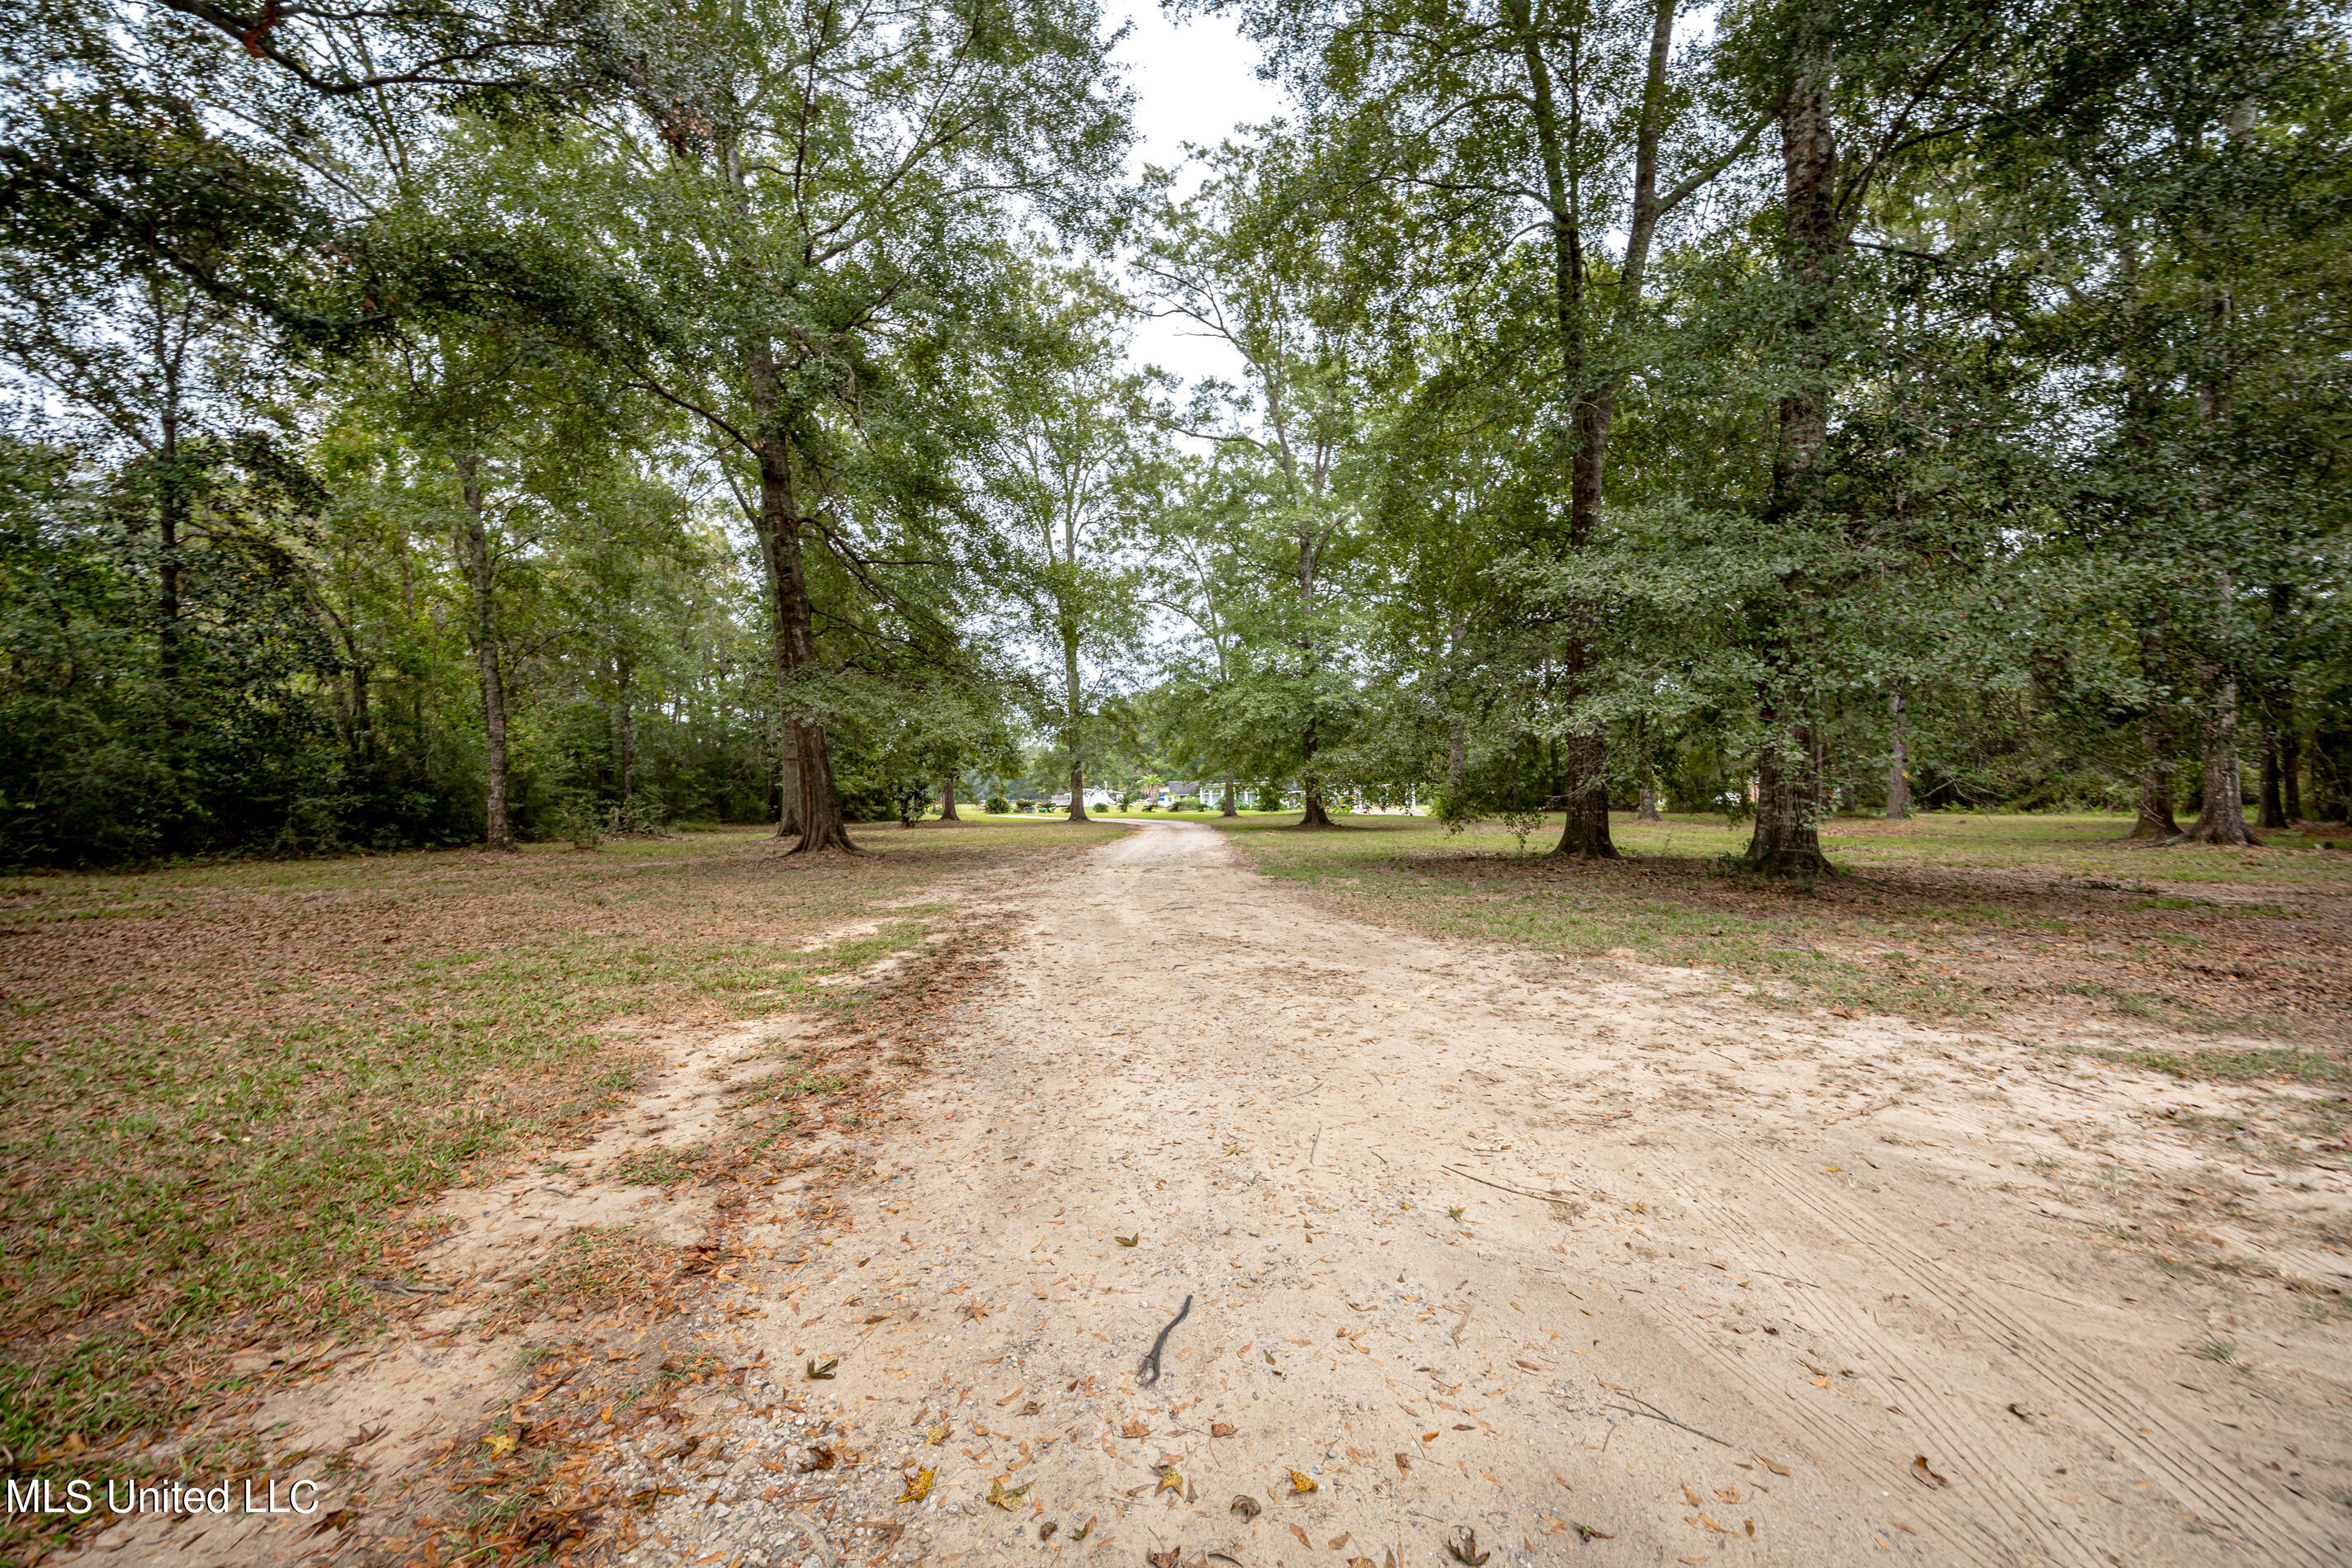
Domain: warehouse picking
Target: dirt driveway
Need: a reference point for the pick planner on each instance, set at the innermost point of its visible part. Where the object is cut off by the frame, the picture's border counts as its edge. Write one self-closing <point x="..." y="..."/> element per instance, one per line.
<point x="1606" y="1264"/>
<point x="1606" y="1268"/>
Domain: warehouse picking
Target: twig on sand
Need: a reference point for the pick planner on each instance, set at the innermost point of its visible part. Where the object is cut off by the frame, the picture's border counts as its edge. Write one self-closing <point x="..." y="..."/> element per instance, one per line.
<point x="1655" y="1414"/>
<point x="1293" y="1094"/>
<point x="2069" y="1088"/>
<point x="1317" y="1143"/>
<point x="402" y="1288"/>
<point x="1500" y="1186"/>
<point x="1149" y="1372"/>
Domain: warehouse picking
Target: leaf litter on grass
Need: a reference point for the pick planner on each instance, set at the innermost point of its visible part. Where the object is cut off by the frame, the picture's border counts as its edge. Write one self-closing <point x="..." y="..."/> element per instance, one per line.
<point x="1944" y="919"/>
<point x="204" y="1088"/>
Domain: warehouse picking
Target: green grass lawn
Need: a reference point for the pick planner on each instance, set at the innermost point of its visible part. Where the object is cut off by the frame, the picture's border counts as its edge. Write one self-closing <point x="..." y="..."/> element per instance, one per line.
<point x="223" y="1078"/>
<point x="1992" y="919"/>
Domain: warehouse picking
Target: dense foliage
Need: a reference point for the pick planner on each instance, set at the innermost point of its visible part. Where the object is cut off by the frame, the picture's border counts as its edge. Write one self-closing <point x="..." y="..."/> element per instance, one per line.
<point x="440" y="425"/>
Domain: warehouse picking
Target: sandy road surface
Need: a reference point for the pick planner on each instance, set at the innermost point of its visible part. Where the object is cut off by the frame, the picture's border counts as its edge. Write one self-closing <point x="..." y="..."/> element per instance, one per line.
<point x="1471" y="1246"/>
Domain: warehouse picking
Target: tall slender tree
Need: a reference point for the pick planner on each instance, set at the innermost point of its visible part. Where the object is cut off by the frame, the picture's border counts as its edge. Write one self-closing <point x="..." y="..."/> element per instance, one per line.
<point x="813" y="203"/>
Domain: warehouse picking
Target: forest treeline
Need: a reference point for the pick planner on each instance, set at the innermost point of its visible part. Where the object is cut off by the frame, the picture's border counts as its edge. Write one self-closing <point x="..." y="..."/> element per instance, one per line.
<point x="449" y="422"/>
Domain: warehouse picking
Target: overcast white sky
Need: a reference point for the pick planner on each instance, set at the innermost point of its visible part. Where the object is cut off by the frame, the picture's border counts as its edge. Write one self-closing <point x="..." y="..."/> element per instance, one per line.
<point x="1193" y="83"/>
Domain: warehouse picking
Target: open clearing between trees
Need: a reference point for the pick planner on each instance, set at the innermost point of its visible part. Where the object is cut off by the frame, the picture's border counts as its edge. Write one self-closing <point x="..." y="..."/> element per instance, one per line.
<point x="1557" y="1204"/>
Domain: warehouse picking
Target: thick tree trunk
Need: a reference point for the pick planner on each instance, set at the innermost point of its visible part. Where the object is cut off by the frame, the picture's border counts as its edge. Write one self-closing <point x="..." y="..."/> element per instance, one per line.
<point x="1229" y="808"/>
<point x="1584" y="822"/>
<point x="1457" y="754"/>
<point x="1584" y="828"/>
<point x="1898" y="758"/>
<point x="1646" y="809"/>
<point x="2291" y="769"/>
<point x="1311" y="789"/>
<point x="1078" y="793"/>
<point x="808" y="750"/>
<point x="1787" y="841"/>
<point x="811" y="795"/>
<point x="822" y="824"/>
<point x="2223" y="819"/>
<point x="947" y="803"/>
<point x="498" y="832"/>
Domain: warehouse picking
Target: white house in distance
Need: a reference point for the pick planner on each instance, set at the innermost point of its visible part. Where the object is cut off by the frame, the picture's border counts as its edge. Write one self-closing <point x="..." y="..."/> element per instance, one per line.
<point x="1096" y="800"/>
